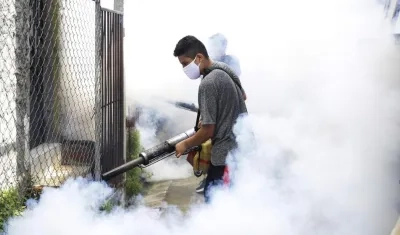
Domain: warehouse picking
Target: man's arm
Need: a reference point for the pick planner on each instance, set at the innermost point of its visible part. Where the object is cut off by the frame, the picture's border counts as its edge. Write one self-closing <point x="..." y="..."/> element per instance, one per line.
<point x="202" y="135"/>
<point x="208" y="109"/>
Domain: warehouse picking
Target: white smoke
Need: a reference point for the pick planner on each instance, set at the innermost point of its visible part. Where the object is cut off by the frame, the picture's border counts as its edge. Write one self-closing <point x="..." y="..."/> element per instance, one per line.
<point x="168" y="169"/>
<point x="318" y="153"/>
<point x="153" y="133"/>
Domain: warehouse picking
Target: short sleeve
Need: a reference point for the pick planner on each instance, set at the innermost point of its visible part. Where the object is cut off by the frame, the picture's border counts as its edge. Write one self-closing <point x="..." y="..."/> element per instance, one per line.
<point x="208" y="102"/>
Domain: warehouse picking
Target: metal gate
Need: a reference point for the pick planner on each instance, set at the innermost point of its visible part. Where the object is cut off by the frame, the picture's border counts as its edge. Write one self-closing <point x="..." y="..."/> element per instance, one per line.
<point x="112" y="93"/>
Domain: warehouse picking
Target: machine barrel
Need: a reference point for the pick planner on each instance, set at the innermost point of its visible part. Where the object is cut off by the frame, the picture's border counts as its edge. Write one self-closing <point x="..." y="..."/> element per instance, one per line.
<point x="187" y="106"/>
<point x="150" y="155"/>
<point x="184" y="105"/>
<point x="123" y="168"/>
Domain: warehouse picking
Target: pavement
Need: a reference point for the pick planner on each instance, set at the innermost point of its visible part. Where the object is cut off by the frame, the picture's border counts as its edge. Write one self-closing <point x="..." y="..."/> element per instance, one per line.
<point x="396" y="229"/>
<point x="46" y="167"/>
<point x="180" y="193"/>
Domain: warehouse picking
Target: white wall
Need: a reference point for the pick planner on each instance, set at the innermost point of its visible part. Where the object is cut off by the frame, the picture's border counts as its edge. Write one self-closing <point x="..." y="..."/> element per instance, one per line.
<point x="77" y="79"/>
<point x="7" y="77"/>
<point x="109" y="4"/>
<point x="78" y="69"/>
<point x="7" y="93"/>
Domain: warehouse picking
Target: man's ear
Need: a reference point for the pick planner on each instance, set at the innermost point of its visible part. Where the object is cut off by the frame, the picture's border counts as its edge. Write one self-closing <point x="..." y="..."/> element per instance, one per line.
<point x="200" y="56"/>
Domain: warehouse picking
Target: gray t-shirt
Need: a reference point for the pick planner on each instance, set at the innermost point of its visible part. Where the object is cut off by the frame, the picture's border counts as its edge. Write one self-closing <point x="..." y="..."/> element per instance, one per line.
<point x="220" y="103"/>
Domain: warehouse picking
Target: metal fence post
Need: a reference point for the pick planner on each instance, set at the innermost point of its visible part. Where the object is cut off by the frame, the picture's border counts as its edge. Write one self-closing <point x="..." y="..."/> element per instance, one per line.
<point x="98" y="82"/>
<point x="125" y="132"/>
<point x="22" y="73"/>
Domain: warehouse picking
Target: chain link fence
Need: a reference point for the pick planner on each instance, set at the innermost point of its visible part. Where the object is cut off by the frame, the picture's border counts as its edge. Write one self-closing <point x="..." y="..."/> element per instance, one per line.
<point x="49" y="92"/>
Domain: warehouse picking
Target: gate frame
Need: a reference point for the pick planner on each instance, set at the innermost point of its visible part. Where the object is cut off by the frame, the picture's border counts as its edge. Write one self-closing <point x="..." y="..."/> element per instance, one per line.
<point x="110" y="116"/>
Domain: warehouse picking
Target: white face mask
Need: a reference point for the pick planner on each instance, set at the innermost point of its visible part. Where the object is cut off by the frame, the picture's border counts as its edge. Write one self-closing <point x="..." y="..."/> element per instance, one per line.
<point x="192" y="70"/>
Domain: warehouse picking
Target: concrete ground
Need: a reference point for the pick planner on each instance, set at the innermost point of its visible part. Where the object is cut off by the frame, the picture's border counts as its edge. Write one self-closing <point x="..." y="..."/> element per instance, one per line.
<point x="180" y="193"/>
<point x="396" y="229"/>
<point x="46" y="167"/>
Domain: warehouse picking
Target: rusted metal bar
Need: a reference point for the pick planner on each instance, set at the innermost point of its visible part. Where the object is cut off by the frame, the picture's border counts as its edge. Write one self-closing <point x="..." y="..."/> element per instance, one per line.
<point x="117" y="92"/>
<point x="109" y="92"/>
<point x="105" y="144"/>
<point x="113" y="92"/>
<point x="122" y="156"/>
<point x="122" y="90"/>
<point x="102" y="91"/>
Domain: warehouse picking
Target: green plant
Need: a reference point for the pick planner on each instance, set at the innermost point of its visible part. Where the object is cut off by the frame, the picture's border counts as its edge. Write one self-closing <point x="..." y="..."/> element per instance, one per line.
<point x="10" y="205"/>
<point x="107" y="207"/>
<point x="133" y="184"/>
<point x="133" y="146"/>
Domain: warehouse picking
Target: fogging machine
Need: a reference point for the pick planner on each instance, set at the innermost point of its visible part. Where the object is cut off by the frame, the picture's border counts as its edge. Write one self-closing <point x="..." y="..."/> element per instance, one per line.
<point x="183" y="105"/>
<point x="152" y="155"/>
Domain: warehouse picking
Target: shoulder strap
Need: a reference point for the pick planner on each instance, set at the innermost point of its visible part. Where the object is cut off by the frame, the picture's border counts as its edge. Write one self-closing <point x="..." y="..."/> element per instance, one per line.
<point x="207" y="71"/>
<point x="196" y="127"/>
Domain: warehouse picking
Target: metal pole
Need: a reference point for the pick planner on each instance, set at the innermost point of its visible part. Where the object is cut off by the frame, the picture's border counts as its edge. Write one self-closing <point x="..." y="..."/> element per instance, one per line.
<point x="123" y="96"/>
<point x="98" y="85"/>
<point x="22" y="74"/>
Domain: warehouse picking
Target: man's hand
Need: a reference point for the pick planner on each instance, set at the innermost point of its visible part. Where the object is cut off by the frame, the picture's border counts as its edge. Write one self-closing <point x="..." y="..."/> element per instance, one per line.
<point x="180" y="148"/>
<point x="202" y="135"/>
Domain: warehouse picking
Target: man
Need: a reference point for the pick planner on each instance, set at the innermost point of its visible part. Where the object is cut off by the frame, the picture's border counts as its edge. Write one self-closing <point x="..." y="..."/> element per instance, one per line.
<point x="221" y="101"/>
<point x="217" y="45"/>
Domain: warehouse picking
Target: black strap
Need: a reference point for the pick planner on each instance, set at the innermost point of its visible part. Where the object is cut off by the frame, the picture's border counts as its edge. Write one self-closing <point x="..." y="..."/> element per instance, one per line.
<point x="206" y="72"/>
<point x="196" y="128"/>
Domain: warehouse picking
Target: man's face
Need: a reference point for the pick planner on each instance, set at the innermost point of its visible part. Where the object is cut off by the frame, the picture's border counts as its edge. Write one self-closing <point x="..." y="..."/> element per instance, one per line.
<point x="192" y="67"/>
<point x="184" y="60"/>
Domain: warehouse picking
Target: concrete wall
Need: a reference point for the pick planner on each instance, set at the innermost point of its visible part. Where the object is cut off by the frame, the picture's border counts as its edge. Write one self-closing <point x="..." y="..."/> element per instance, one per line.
<point x="77" y="64"/>
<point x="7" y="75"/>
<point x="77" y="93"/>
<point x="7" y="94"/>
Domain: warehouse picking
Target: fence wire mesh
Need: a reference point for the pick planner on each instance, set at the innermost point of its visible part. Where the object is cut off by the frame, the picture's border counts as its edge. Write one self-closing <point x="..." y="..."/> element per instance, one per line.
<point x="48" y="92"/>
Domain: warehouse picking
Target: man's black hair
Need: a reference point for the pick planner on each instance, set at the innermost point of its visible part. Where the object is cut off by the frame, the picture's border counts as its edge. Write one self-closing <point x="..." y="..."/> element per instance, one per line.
<point x="190" y="46"/>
